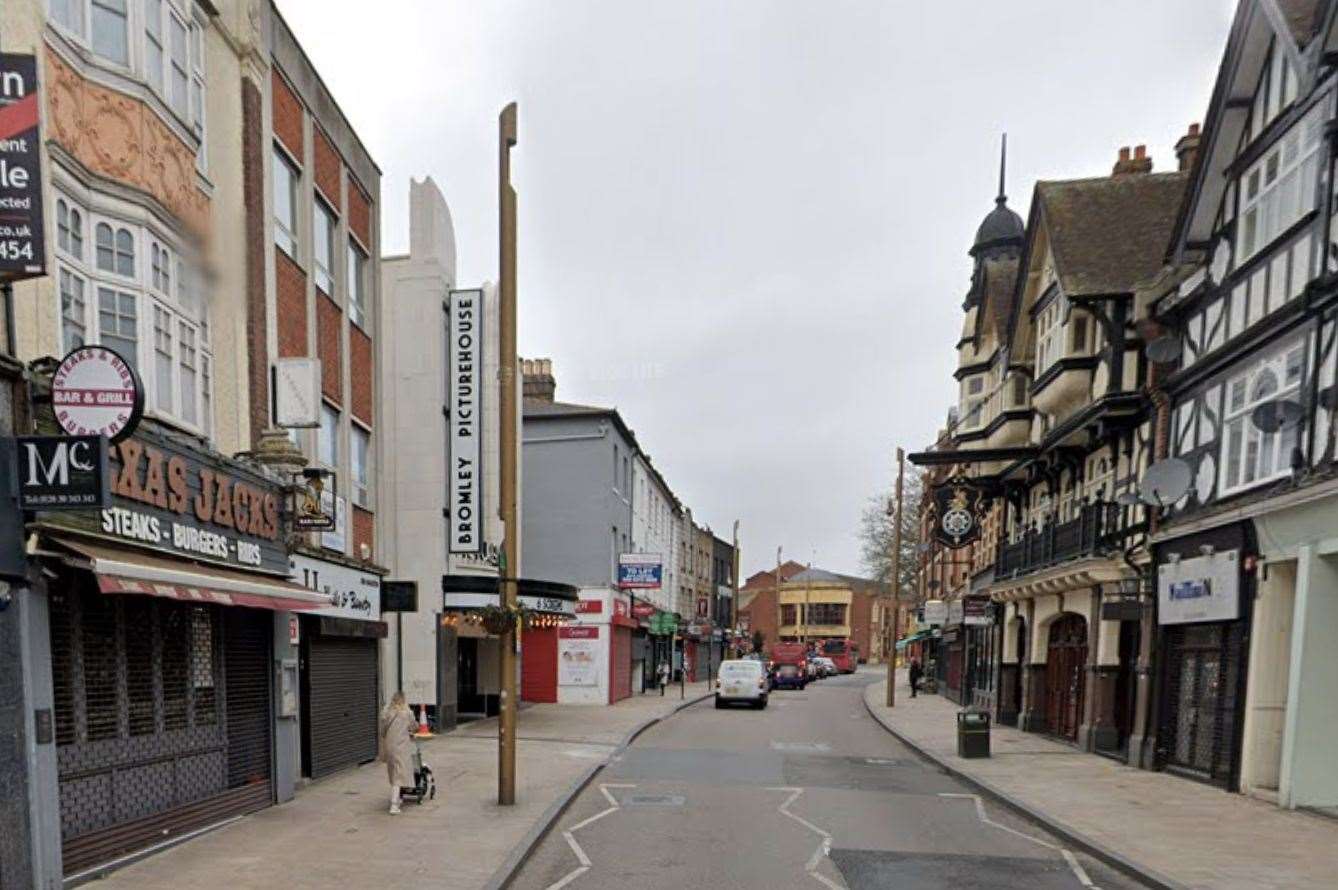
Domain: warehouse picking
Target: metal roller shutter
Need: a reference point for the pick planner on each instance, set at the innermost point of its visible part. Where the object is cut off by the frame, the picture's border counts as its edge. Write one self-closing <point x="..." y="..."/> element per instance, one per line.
<point x="538" y="665"/>
<point x="620" y="664"/>
<point x="162" y="718"/>
<point x="342" y="703"/>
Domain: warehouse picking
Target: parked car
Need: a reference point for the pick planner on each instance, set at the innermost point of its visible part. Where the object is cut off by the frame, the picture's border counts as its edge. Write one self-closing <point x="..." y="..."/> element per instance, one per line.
<point x="742" y="680"/>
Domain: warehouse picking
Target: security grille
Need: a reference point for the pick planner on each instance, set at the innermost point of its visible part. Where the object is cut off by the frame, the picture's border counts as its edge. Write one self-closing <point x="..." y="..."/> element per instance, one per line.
<point x="341" y="703"/>
<point x="141" y="753"/>
<point x="1204" y="663"/>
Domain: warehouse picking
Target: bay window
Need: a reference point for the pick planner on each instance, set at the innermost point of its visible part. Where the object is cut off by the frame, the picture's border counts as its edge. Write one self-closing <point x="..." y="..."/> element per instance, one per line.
<point x="1049" y="334"/>
<point x="1250" y="456"/>
<point x="109" y="30"/>
<point x="152" y="314"/>
<point x="1279" y="188"/>
<point x="973" y="402"/>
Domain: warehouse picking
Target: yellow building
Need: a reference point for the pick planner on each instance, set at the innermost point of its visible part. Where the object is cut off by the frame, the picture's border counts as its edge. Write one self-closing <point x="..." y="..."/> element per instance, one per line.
<point x="819" y="605"/>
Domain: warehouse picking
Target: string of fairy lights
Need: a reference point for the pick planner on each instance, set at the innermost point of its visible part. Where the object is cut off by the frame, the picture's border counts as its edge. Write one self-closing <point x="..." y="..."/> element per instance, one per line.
<point x="529" y="619"/>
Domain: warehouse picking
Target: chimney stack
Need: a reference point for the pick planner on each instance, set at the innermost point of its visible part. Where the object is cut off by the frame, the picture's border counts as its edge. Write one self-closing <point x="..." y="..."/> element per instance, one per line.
<point x="1187" y="149"/>
<point x="1139" y="163"/>
<point x="538" y="381"/>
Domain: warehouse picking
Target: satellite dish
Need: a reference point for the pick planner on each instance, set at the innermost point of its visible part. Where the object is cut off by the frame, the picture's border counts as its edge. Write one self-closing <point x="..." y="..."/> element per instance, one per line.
<point x="1278" y="414"/>
<point x="1164" y="350"/>
<point x="1328" y="397"/>
<point x="1165" y="482"/>
<point x="1129" y="499"/>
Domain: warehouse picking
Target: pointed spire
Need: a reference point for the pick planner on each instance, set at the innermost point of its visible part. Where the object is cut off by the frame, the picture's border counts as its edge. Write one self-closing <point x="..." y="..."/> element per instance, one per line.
<point x="1003" y="163"/>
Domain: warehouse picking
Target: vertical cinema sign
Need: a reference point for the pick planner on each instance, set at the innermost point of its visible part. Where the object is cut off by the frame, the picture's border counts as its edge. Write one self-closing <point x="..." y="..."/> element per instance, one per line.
<point x="22" y="249"/>
<point x="465" y="418"/>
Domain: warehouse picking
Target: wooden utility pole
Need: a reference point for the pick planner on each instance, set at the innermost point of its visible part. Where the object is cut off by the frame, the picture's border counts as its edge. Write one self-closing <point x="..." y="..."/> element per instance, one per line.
<point x="896" y="584"/>
<point x="507" y="362"/>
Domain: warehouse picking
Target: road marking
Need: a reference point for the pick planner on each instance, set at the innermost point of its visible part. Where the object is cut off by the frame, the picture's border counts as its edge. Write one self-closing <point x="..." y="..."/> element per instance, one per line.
<point x="1078" y="871"/>
<point x="880" y="761"/>
<point x="808" y="747"/>
<point x="569" y="836"/>
<point x="824" y="849"/>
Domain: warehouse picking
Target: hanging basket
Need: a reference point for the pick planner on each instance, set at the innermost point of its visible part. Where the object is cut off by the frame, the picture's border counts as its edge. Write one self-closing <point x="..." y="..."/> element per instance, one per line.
<point x="499" y="620"/>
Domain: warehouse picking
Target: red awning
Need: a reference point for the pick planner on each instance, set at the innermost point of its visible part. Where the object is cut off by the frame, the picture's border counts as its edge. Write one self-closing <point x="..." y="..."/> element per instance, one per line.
<point x="123" y="570"/>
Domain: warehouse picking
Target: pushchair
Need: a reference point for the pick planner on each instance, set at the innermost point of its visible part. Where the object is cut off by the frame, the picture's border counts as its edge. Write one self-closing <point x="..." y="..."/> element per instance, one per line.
<point x="424" y="784"/>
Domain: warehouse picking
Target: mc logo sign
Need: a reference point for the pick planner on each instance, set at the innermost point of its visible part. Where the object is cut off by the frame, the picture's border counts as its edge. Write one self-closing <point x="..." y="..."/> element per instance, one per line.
<point x="62" y="472"/>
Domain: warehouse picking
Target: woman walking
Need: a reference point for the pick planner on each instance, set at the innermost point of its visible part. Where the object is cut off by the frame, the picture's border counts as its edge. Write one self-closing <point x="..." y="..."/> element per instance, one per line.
<point x="397" y="726"/>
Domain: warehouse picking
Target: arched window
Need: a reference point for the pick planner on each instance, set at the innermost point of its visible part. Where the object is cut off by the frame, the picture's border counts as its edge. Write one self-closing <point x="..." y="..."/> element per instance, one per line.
<point x="1251" y="456"/>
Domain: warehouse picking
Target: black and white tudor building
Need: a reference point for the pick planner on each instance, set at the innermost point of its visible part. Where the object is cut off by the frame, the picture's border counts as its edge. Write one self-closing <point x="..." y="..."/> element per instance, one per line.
<point x="1246" y="574"/>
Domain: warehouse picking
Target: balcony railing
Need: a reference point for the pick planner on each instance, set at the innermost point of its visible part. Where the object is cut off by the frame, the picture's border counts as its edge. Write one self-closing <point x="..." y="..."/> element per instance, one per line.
<point x="1057" y="542"/>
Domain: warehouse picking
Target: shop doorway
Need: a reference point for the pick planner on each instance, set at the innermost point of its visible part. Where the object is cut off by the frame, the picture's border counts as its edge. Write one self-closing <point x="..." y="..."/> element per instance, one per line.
<point x="468" y="699"/>
<point x="1065" y="667"/>
<point x="1199" y="720"/>
<point x="1018" y="677"/>
<point x="1126" y="683"/>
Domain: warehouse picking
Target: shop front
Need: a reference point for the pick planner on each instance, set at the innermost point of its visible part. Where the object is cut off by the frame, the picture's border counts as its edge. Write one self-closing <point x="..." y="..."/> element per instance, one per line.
<point x="175" y="687"/>
<point x="980" y="653"/>
<point x="1204" y="599"/>
<point x="594" y="652"/>
<point x="470" y="654"/>
<point x="339" y="658"/>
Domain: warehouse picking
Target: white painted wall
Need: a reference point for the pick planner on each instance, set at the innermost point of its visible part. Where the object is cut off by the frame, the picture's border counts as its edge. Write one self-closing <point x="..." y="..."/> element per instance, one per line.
<point x="597" y="694"/>
<point x="653" y="529"/>
<point x="413" y="468"/>
<point x="1266" y="688"/>
<point x="1308" y="777"/>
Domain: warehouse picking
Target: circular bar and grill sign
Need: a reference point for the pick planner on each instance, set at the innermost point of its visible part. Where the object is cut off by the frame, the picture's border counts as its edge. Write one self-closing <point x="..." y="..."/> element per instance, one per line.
<point x="95" y="393"/>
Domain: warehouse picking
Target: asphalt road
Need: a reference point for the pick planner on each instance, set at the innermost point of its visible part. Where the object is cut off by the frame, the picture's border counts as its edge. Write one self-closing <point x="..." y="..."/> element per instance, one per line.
<point x="809" y="793"/>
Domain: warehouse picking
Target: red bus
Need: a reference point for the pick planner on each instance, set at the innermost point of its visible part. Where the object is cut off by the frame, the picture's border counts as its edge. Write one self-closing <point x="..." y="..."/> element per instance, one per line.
<point x="844" y="653"/>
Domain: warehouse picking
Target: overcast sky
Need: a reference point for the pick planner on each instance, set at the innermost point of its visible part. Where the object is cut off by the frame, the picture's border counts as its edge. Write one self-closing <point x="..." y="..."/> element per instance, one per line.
<point x="744" y="224"/>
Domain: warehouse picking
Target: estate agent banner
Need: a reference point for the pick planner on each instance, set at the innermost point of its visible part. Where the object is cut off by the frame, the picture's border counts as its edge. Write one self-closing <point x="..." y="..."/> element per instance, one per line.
<point x="22" y="247"/>
<point x="640" y="571"/>
<point x="464" y="378"/>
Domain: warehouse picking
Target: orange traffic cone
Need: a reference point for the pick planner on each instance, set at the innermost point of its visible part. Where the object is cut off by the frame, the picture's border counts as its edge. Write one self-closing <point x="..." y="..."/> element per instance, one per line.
<point x="423" y="728"/>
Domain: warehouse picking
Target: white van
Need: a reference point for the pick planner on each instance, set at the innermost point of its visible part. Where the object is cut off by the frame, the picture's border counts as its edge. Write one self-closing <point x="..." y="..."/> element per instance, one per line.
<point x="741" y="680"/>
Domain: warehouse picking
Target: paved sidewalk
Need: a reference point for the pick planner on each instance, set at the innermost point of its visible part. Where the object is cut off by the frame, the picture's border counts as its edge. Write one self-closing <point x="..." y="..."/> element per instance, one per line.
<point x="1188" y="832"/>
<point x="337" y="833"/>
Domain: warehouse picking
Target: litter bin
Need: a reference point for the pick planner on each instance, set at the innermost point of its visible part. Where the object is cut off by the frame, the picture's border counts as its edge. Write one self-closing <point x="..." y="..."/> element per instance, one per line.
<point x="973" y="734"/>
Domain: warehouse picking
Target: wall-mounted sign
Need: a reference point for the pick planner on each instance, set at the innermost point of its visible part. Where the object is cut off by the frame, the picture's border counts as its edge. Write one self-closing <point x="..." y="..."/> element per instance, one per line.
<point x="63" y="473"/>
<point x="297" y="392"/>
<point x="643" y="609"/>
<point x="977" y="611"/>
<point x="94" y="392"/>
<point x="353" y="593"/>
<point x="1204" y="588"/>
<point x="589" y="607"/>
<point x="935" y="612"/>
<point x="187" y="503"/>
<point x="313" y="511"/>
<point x="22" y="246"/>
<point x="640" y="571"/>
<point x="294" y="631"/>
<point x="579" y="656"/>
<point x="399" y="596"/>
<point x="957" y="505"/>
<point x="955" y="612"/>
<point x="465" y="417"/>
<point x="453" y="599"/>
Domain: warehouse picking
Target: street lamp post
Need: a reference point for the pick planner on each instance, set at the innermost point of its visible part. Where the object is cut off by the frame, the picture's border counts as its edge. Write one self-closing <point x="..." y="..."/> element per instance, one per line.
<point x="507" y="360"/>
<point x="896" y="583"/>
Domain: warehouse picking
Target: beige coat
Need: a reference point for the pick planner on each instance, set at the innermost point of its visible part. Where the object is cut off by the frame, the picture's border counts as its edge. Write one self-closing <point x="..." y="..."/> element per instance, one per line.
<point x="397" y="727"/>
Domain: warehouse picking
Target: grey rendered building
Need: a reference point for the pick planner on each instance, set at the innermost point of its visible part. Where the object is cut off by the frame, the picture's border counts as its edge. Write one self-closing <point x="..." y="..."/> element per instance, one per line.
<point x="577" y="471"/>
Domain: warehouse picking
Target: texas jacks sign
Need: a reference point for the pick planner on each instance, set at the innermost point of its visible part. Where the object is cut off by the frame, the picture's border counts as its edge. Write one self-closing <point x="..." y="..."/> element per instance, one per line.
<point x="62" y="472"/>
<point x="465" y="417"/>
<point x="22" y="246"/>
<point x="958" y="505"/>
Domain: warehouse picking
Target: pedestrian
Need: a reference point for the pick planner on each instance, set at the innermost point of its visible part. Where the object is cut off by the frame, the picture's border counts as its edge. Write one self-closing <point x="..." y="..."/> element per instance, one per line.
<point x="916" y="673"/>
<point x="396" y="749"/>
<point x="663" y="674"/>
